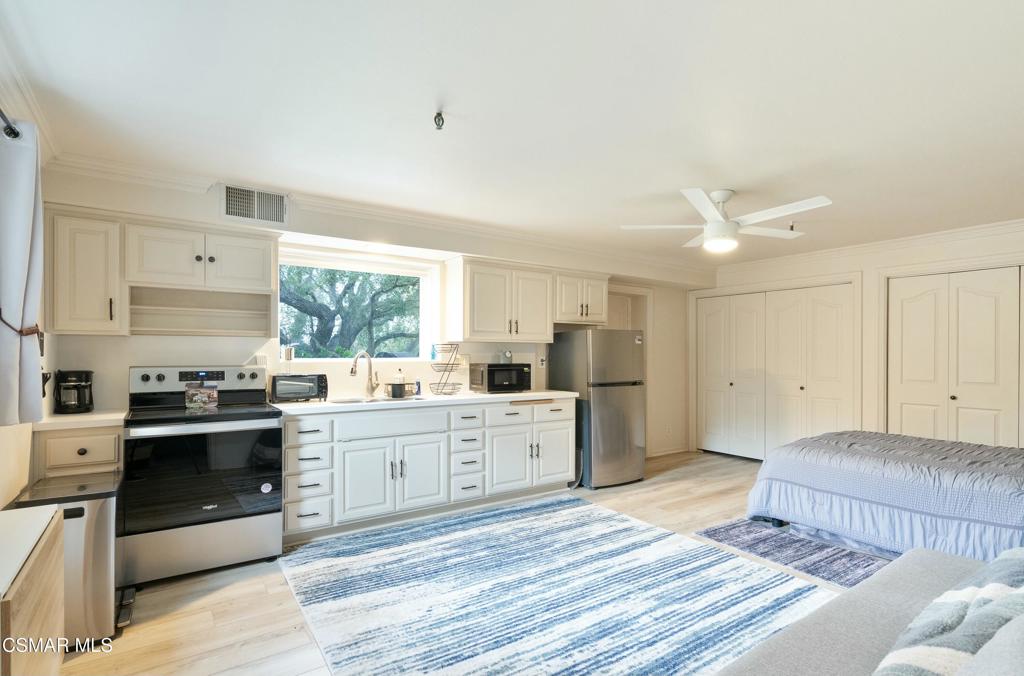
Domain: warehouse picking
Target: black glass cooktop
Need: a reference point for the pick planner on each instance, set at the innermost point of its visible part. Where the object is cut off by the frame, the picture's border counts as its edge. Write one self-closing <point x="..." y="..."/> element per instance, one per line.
<point x="179" y="414"/>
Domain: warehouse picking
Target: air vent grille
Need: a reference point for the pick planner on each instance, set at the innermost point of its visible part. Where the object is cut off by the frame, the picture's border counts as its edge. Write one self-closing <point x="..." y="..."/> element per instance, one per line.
<point x="254" y="204"/>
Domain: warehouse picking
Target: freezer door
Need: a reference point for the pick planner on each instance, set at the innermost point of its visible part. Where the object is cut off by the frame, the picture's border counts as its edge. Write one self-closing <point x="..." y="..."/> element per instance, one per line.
<point x="616" y="356"/>
<point x="618" y="441"/>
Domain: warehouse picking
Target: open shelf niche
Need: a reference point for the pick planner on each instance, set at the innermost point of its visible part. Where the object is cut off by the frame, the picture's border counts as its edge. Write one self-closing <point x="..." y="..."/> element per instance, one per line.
<point x="196" y="312"/>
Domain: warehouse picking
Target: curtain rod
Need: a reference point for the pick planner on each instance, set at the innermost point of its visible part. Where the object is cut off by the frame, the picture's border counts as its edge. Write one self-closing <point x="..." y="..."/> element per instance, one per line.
<point x="10" y="131"/>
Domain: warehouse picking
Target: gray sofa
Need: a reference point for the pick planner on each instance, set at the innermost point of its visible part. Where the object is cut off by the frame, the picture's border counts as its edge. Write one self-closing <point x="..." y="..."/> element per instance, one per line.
<point x="850" y="635"/>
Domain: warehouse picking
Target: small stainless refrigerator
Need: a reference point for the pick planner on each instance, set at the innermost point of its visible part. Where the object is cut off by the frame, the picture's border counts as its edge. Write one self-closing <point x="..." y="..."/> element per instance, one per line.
<point x="606" y="367"/>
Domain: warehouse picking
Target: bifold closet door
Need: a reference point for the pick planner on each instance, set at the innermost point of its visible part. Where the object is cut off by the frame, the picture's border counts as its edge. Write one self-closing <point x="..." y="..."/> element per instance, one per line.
<point x="954" y="356"/>
<point x="713" y="371"/>
<point x="785" y="321"/>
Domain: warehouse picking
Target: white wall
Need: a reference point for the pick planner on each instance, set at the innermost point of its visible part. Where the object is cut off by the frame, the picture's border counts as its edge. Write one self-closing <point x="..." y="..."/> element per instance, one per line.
<point x="666" y="376"/>
<point x="963" y="249"/>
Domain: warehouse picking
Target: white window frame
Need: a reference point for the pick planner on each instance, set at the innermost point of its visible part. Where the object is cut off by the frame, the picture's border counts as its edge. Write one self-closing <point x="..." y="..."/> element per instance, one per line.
<point x="429" y="273"/>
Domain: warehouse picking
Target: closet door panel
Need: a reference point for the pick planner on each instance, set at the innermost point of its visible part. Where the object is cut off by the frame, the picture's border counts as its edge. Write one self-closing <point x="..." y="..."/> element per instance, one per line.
<point x="984" y="351"/>
<point x="829" y="359"/>
<point x="784" y="367"/>
<point x="713" y="373"/>
<point x="918" y="356"/>
<point x="746" y="313"/>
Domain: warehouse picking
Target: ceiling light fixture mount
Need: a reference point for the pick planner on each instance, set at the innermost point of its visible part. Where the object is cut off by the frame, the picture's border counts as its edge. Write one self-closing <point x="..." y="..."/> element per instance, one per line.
<point x="439" y="120"/>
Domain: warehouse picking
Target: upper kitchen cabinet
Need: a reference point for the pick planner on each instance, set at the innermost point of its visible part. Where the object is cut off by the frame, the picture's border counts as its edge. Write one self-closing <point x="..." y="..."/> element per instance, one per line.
<point x="184" y="258"/>
<point x="498" y="303"/>
<point x="86" y="292"/>
<point x="581" y="299"/>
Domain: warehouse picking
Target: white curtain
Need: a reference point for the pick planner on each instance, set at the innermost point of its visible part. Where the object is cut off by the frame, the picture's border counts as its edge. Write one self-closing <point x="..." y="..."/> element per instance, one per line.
<point x="21" y="277"/>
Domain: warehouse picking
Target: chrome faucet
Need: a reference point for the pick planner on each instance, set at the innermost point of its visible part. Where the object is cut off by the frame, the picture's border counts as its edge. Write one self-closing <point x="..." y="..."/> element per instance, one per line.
<point x="372" y="379"/>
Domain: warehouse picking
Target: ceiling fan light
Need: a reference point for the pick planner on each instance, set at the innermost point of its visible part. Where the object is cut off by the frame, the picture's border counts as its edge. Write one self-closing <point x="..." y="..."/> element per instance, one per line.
<point x="720" y="244"/>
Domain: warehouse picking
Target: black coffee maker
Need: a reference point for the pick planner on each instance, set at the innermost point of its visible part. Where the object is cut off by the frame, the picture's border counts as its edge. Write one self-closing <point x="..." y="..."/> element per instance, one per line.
<point x="72" y="392"/>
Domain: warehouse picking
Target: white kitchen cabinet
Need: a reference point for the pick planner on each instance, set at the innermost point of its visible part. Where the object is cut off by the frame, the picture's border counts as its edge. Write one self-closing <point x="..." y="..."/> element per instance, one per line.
<point x="554" y="450"/>
<point x="185" y="258"/>
<point x="954" y="342"/>
<point x="497" y="303"/>
<point x="368" y="473"/>
<point x="580" y="299"/>
<point x="422" y="471"/>
<point x="86" y="294"/>
<point x="509" y="458"/>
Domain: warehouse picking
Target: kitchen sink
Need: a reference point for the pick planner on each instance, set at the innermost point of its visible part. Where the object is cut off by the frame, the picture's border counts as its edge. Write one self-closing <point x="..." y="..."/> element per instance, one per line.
<point x="365" y="400"/>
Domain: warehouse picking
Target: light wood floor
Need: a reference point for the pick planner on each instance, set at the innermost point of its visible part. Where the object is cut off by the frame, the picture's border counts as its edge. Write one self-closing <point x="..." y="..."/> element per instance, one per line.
<point x="244" y="620"/>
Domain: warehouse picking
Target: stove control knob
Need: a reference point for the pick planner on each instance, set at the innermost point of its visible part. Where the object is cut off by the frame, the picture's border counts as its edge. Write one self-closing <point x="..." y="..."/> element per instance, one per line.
<point x="252" y="376"/>
<point x="160" y="377"/>
<point x="241" y="376"/>
<point x="145" y="377"/>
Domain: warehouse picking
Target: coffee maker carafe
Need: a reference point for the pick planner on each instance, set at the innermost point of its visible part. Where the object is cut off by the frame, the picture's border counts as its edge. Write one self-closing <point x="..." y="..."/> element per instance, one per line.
<point x="72" y="392"/>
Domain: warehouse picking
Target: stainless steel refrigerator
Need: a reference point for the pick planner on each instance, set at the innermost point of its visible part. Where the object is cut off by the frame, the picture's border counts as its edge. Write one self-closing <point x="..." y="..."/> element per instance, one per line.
<point x="606" y="366"/>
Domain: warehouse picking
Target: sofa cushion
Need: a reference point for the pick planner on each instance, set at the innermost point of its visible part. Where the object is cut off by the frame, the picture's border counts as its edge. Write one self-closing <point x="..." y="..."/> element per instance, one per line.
<point x="852" y="633"/>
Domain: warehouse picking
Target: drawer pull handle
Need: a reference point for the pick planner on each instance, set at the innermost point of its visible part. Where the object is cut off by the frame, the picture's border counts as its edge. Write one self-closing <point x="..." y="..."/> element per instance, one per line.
<point x="468" y="417"/>
<point x="469" y="488"/>
<point x="556" y="410"/>
<point x="513" y="413"/>
<point x="303" y="516"/>
<point x="310" y="485"/>
<point x="74" y="513"/>
<point x="468" y="440"/>
<point x="470" y="462"/>
<point x="82" y="451"/>
<point x="315" y="457"/>
<point x="309" y="431"/>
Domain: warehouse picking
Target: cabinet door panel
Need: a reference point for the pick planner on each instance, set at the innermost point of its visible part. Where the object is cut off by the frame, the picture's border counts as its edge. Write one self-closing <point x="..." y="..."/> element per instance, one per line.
<point x="244" y="263"/>
<point x="165" y="256"/>
<point x="984" y="355"/>
<point x="784" y="367"/>
<point x="713" y="373"/>
<point x="509" y="465"/>
<point x="569" y="298"/>
<point x="918" y="356"/>
<point x="488" y="310"/>
<point x="422" y="471"/>
<point x="367" y="478"/>
<point x="555" y="446"/>
<point x="595" y="300"/>
<point x="86" y="293"/>
<point x="746" y="403"/>
<point x="532" y="319"/>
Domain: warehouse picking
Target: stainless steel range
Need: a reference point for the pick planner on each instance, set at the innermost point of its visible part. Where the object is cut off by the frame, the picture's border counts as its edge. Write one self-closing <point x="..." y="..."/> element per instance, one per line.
<point x="201" y="488"/>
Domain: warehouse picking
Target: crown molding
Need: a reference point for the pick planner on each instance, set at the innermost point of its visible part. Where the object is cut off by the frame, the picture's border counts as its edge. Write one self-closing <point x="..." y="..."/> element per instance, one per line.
<point x="112" y="170"/>
<point x="18" y="99"/>
<point x="951" y="236"/>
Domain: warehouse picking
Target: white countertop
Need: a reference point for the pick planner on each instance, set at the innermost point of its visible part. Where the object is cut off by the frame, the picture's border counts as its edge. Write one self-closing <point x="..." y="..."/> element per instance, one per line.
<point x="20" y="529"/>
<point x="71" y="421"/>
<point x="309" y="407"/>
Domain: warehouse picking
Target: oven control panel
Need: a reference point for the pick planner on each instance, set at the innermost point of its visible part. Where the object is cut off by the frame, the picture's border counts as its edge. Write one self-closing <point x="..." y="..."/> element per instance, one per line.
<point x="174" y="378"/>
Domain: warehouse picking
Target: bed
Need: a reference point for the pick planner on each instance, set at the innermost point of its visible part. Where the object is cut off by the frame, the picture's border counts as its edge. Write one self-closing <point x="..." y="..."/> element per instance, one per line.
<point x="889" y="493"/>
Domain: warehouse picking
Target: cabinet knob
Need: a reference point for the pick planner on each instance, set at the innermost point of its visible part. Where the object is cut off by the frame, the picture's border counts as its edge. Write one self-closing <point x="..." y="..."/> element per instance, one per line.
<point x="730" y="384"/>
<point x="82" y="451"/>
<point x="801" y="387"/>
<point x="212" y="259"/>
<point x="199" y="259"/>
<point x="953" y="397"/>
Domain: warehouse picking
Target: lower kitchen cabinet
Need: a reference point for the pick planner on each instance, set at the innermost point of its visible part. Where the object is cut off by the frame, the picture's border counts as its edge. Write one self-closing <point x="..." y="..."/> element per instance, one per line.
<point x="510" y="452"/>
<point x="367" y="478"/>
<point x="554" y="449"/>
<point x="422" y="470"/>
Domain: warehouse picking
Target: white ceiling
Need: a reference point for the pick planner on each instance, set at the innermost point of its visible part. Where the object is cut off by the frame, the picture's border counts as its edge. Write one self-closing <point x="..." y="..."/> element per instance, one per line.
<point x="564" y="119"/>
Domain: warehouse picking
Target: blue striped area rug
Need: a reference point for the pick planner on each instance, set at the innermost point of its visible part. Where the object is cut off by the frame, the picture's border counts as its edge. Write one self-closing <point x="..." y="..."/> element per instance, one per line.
<point x="552" y="585"/>
<point x="832" y="563"/>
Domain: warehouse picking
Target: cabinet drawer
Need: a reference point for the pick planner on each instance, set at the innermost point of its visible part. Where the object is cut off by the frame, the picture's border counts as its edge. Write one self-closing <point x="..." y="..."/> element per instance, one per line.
<point x="307" y="514"/>
<point x="307" y="458"/>
<point x="467" y="418"/>
<point x="307" y="485"/>
<point x="82" y="450"/>
<point x="467" y="440"/>
<point x="467" y="487"/>
<point x="563" y="409"/>
<point x="308" y="430"/>
<point x="508" y="415"/>
<point x="380" y="424"/>
<point x="468" y="463"/>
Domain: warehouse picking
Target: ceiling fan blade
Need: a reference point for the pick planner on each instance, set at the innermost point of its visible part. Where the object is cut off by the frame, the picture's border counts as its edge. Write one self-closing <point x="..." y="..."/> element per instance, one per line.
<point x="696" y="241"/>
<point x="770" y="232"/>
<point x="660" y="227"/>
<point x="703" y="204"/>
<point x="784" y="210"/>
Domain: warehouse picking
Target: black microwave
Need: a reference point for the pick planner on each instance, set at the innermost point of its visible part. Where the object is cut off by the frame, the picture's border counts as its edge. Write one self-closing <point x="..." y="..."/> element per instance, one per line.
<point x="499" y="377"/>
<point x="305" y="387"/>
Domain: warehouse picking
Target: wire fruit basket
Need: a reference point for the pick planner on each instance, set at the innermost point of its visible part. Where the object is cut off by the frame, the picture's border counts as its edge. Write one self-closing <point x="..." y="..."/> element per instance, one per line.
<point x="448" y="361"/>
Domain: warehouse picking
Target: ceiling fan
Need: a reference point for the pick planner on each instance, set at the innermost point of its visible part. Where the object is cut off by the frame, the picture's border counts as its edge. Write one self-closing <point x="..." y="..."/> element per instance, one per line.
<point x="720" y="230"/>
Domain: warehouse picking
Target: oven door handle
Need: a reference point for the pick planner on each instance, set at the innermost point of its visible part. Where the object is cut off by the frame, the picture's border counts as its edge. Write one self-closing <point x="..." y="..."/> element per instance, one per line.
<point x="181" y="429"/>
